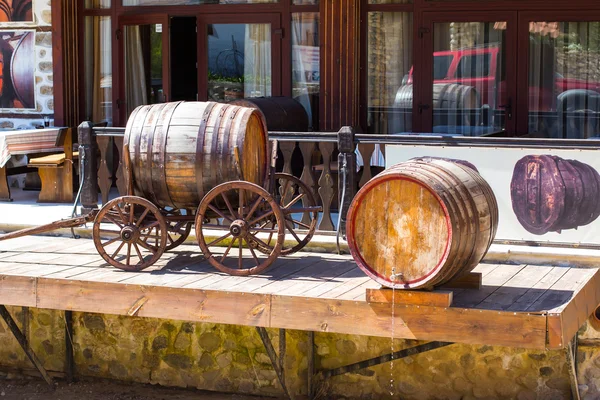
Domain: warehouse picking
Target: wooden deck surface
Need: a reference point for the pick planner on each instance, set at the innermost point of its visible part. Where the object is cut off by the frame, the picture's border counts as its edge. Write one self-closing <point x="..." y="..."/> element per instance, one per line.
<point x="518" y="305"/>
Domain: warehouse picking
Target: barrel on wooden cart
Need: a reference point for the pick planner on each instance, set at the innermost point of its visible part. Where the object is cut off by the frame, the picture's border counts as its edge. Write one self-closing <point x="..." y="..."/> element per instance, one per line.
<point x="179" y="151"/>
<point x="422" y="223"/>
<point x="551" y="194"/>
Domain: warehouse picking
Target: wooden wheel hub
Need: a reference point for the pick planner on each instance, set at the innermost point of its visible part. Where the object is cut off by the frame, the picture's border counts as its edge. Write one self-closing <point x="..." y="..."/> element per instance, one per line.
<point x="238" y="228"/>
<point x="130" y="234"/>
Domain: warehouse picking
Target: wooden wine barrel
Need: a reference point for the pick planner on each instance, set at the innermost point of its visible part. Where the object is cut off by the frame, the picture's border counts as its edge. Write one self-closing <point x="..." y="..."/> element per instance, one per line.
<point x="551" y="194"/>
<point x="281" y="113"/>
<point x="421" y="224"/>
<point x="445" y="95"/>
<point x="463" y="162"/>
<point x="179" y="151"/>
<point x="22" y="70"/>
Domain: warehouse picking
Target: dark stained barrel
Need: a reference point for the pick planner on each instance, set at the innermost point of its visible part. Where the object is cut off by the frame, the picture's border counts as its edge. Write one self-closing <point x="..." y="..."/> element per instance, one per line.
<point x="22" y="10"/>
<point x="421" y="224"/>
<point x="22" y="70"/>
<point x="281" y="113"/>
<point x="551" y="194"/>
<point x="179" y="151"/>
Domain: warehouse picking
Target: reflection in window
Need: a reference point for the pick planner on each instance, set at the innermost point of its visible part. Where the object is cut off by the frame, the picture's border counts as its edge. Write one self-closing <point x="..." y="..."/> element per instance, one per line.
<point x="564" y="79"/>
<point x="97" y="3"/>
<point x="239" y="61"/>
<point x="98" y="69"/>
<point x="389" y="60"/>
<point x="190" y="2"/>
<point x="305" y="64"/>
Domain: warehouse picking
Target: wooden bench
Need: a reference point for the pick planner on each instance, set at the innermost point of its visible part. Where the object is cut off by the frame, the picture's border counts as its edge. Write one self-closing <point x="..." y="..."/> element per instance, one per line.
<point x="56" y="171"/>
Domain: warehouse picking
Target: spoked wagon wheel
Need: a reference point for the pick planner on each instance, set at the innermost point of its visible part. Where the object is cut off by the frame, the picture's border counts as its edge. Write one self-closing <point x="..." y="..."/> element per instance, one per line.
<point x="245" y="210"/>
<point x="130" y="233"/>
<point x="177" y="230"/>
<point x="300" y="211"/>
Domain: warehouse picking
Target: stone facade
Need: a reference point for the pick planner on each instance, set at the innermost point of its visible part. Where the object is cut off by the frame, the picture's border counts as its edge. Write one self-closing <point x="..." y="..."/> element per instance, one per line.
<point x="44" y="86"/>
<point x="232" y="358"/>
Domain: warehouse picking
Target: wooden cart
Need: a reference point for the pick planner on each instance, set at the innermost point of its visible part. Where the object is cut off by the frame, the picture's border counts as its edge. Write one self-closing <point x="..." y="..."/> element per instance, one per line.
<point x="202" y="164"/>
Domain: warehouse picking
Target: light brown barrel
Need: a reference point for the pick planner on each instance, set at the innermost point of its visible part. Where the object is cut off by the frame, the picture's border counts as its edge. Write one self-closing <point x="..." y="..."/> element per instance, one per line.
<point x="422" y="223"/>
<point x="179" y="151"/>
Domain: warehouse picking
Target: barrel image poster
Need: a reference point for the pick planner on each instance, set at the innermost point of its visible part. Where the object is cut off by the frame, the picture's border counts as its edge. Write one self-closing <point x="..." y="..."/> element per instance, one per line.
<point x="544" y="195"/>
<point x="16" y="11"/>
<point x="17" y="73"/>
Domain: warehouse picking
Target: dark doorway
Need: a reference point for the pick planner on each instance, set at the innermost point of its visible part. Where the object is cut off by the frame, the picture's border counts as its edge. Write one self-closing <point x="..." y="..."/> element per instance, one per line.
<point x="184" y="68"/>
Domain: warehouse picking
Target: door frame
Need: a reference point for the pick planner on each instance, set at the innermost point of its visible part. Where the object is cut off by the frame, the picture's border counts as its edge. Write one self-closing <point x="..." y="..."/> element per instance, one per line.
<point x="203" y="20"/>
<point x="120" y="103"/>
<point x="423" y="71"/>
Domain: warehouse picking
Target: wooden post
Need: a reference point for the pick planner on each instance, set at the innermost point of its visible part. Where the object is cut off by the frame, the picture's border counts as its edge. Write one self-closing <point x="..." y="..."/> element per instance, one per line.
<point x="347" y="172"/>
<point x="87" y="158"/>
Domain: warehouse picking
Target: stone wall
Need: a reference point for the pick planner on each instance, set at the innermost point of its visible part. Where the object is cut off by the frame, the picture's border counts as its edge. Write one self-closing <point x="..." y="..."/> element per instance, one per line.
<point x="44" y="96"/>
<point x="232" y="359"/>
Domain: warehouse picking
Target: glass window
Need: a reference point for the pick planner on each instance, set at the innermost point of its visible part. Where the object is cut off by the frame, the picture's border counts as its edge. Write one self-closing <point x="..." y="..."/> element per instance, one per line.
<point x="97" y="3"/>
<point x="390" y="1"/>
<point x="239" y="61"/>
<point x="305" y="64"/>
<point x="304" y="2"/>
<point x="564" y="79"/>
<point x="389" y="61"/>
<point x="190" y="2"/>
<point x="470" y="97"/>
<point x="441" y="66"/>
<point x="143" y="65"/>
<point x="474" y="66"/>
<point x="98" y="69"/>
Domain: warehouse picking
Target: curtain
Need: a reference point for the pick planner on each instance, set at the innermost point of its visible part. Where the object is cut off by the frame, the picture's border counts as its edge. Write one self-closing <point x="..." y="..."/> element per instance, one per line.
<point x="135" y="75"/>
<point x="390" y="44"/>
<point x="305" y="62"/>
<point x="98" y="69"/>
<point x="257" y="60"/>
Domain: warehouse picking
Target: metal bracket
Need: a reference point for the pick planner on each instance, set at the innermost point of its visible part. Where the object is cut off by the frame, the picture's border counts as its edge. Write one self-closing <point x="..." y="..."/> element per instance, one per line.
<point x="278" y="364"/>
<point x="323" y="375"/>
<point x="24" y="344"/>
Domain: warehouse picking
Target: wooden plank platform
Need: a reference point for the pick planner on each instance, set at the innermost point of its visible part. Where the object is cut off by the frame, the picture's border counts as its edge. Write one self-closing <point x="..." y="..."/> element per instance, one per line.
<point x="517" y="305"/>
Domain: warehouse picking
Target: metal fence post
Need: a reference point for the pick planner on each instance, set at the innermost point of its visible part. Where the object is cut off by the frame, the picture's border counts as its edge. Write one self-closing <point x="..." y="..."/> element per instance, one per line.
<point x="347" y="172"/>
<point x="88" y="167"/>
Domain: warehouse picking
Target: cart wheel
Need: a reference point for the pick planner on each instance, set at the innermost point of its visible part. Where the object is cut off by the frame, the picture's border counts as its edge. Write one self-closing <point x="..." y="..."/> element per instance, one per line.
<point x="299" y="209"/>
<point x="130" y="233"/>
<point x="245" y="210"/>
<point x="177" y="231"/>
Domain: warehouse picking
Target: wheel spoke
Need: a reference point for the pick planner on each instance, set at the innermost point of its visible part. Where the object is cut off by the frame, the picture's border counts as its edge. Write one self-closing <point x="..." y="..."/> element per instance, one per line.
<point x="284" y="191"/>
<point x="261" y="217"/>
<point x="139" y="253"/>
<point x="149" y="235"/>
<point x="118" y="249"/>
<point x="128" y="253"/>
<point x="110" y="218"/>
<point x="298" y="210"/>
<point x="258" y="240"/>
<point x="227" y="251"/>
<point x="241" y="209"/>
<point x="131" y="213"/>
<point x="216" y="210"/>
<point x="106" y="231"/>
<point x="241" y="257"/>
<point x="228" y="204"/>
<point x="254" y="207"/>
<point x="253" y="253"/>
<point x="145" y="245"/>
<point x="291" y="229"/>
<point x="120" y="212"/>
<point x="295" y="200"/>
<point x="146" y="211"/>
<point x="111" y="241"/>
<point x="219" y="239"/>
<point x="300" y="223"/>
<point x="151" y="226"/>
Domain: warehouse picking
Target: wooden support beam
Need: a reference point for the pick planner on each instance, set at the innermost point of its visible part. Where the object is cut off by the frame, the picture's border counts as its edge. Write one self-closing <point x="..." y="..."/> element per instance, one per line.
<point x="69" y="359"/>
<point x="435" y="298"/>
<point x="24" y="345"/>
<point x="471" y="280"/>
<point x="264" y="336"/>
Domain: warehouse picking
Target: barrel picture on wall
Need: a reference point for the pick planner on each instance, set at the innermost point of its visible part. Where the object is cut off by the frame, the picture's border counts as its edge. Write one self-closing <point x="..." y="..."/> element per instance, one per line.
<point x="17" y="74"/>
<point x="552" y="194"/>
<point x="16" y="11"/>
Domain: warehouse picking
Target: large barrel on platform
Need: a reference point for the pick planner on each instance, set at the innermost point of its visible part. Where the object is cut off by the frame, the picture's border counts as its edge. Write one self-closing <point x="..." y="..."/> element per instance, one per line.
<point x="282" y="113"/>
<point x="550" y="194"/>
<point x="422" y="223"/>
<point x="179" y="151"/>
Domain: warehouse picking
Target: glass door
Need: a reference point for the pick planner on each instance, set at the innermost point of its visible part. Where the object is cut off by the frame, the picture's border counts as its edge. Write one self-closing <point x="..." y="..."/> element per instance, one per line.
<point x="468" y="73"/>
<point x="240" y="57"/>
<point x="144" y="56"/>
